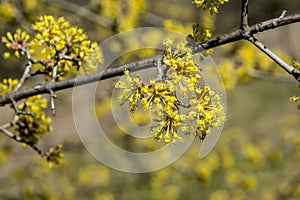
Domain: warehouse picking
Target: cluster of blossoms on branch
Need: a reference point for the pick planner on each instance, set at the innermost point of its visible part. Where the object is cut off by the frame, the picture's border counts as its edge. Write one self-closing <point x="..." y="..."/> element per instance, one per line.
<point x="211" y="5"/>
<point x="30" y="122"/>
<point x="179" y="101"/>
<point x="56" y="46"/>
<point x="57" y="51"/>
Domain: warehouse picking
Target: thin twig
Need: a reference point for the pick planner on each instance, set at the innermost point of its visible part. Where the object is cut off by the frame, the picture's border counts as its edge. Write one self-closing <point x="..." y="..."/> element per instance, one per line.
<point x="27" y="70"/>
<point x="17" y="111"/>
<point x="52" y="95"/>
<point x="146" y="63"/>
<point x="159" y="67"/>
<point x="6" y="132"/>
<point x="254" y="29"/>
<point x="283" y="14"/>
<point x="248" y="36"/>
<point x="55" y="86"/>
<point x="288" y="68"/>
<point x="244" y="18"/>
<point x="52" y="102"/>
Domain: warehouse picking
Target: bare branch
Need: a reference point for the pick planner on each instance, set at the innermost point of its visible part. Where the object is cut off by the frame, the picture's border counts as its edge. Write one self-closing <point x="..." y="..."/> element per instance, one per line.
<point x="6" y="132"/>
<point x="17" y="111"/>
<point x="244" y="17"/>
<point x="55" y="86"/>
<point x="146" y="63"/>
<point x="27" y="70"/>
<point x="288" y="68"/>
<point x="254" y="29"/>
<point x="283" y="14"/>
<point x="159" y="66"/>
<point x="52" y="102"/>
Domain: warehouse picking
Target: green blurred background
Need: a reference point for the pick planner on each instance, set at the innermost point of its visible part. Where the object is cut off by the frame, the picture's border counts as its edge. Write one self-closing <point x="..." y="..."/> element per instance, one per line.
<point x="256" y="157"/>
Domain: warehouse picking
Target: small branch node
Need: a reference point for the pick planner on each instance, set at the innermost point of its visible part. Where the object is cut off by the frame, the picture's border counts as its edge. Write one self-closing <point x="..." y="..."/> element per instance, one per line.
<point x="245" y="29"/>
<point x="52" y="99"/>
<point x="283" y="14"/>
<point x="27" y="70"/>
<point x="296" y="74"/>
<point x="17" y="138"/>
<point x="52" y="102"/>
<point x="159" y="66"/>
<point x="17" y="111"/>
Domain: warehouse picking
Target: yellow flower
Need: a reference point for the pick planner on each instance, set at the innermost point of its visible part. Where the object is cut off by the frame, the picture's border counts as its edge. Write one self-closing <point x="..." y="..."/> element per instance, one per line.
<point x="8" y="86"/>
<point x="211" y="5"/>
<point x="158" y="93"/>
<point x="168" y="130"/>
<point x="294" y="98"/>
<point x="207" y="110"/>
<point x="130" y="90"/>
<point x="163" y="96"/>
<point x="33" y="126"/>
<point x="200" y="35"/>
<point x="16" y="42"/>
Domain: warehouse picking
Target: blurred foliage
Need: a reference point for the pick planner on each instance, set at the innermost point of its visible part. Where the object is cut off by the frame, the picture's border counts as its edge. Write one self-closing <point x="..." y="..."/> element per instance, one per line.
<point x="257" y="156"/>
<point x="245" y="163"/>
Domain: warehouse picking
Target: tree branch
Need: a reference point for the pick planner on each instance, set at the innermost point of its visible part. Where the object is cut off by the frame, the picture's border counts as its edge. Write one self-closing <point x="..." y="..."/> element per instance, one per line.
<point x="244" y="17"/>
<point x="288" y="68"/>
<point x="254" y="29"/>
<point x="55" y="86"/>
<point x="146" y="63"/>
<point x="6" y="132"/>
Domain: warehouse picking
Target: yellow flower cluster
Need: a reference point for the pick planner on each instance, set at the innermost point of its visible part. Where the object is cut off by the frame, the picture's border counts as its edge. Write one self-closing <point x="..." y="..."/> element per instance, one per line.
<point x="295" y="99"/>
<point x="52" y="33"/>
<point x="206" y="111"/>
<point x="164" y="98"/>
<point x="168" y="129"/>
<point x="182" y="66"/>
<point x="131" y="90"/>
<point x="7" y="86"/>
<point x="57" y="50"/>
<point x="159" y="93"/>
<point x="211" y="5"/>
<point x="33" y="126"/>
<point x="16" y="42"/>
<point x="56" y="44"/>
<point x="54" y="155"/>
<point x="32" y="123"/>
<point x="66" y="46"/>
<point x="159" y="98"/>
<point x="199" y="35"/>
